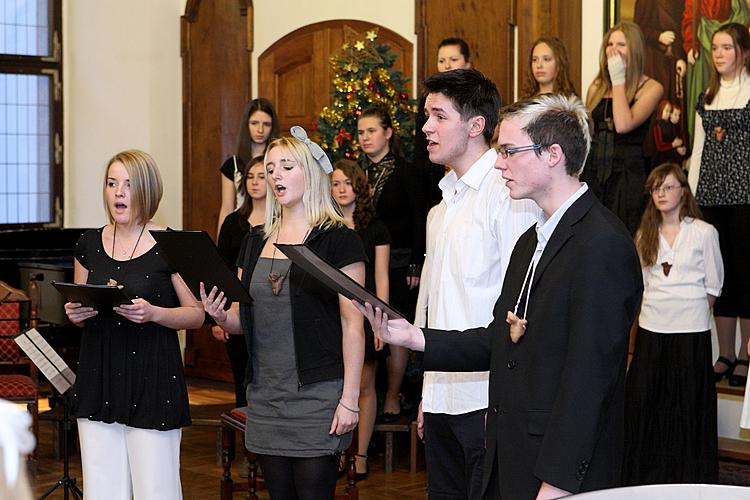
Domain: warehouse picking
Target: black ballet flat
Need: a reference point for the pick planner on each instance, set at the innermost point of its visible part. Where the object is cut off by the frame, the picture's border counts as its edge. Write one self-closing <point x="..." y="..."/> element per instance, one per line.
<point x="738" y="380"/>
<point x="726" y="373"/>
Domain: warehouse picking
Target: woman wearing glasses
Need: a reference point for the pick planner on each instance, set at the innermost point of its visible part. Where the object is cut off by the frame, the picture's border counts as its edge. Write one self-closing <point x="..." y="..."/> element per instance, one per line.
<point x="621" y="100"/>
<point x="670" y="392"/>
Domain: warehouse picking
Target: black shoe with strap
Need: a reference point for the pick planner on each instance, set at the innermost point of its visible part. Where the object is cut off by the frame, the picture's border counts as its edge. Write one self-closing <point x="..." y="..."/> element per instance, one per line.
<point x="738" y="380"/>
<point x="726" y="373"/>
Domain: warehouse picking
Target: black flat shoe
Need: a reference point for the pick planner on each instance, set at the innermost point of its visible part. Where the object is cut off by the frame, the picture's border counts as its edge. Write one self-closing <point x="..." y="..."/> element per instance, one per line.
<point x="726" y="373"/>
<point x="738" y="380"/>
<point x="389" y="418"/>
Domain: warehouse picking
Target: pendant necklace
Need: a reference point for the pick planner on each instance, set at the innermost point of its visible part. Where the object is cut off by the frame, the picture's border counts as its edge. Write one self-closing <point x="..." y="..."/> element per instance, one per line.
<point x="720" y="132"/>
<point x="276" y="279"/>
<point x="114" y="239"/>
<point x="518" y="325"/>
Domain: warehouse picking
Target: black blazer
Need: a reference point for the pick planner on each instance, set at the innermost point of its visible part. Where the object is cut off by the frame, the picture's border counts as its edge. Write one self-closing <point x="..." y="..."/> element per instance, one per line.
<point x="556" y="401"/>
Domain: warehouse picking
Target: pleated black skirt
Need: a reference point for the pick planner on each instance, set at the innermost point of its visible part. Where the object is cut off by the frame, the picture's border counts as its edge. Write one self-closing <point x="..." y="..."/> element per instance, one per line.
<point x="670" y="410"/>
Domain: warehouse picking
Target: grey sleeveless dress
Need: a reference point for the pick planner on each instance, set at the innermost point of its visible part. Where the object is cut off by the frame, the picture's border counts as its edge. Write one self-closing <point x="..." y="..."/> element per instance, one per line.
<point x="283" y="417"/>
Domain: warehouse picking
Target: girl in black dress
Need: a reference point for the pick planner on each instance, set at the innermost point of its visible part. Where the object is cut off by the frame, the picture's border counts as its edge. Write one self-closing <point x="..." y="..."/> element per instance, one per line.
<point x="350" y="190"/>
<point x="233" y="231"/>
<point x="259" y="126"/>
<point x="401" y="203"/>
<point x="130" y="396"/>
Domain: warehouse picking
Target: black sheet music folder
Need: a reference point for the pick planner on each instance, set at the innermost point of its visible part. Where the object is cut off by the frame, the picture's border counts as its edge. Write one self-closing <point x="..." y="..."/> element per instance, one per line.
<point x="194" y="255"/>
<point x="100" y="297"/>
<point x="333" y="278"/>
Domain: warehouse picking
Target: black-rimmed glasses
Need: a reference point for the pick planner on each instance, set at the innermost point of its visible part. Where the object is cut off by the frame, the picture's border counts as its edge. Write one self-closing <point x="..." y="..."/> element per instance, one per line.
<point x="505" y="152"/>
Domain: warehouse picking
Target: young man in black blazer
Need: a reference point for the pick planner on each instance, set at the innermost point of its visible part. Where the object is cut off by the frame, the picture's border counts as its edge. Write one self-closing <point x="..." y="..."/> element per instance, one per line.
<point x="557" y="346"/>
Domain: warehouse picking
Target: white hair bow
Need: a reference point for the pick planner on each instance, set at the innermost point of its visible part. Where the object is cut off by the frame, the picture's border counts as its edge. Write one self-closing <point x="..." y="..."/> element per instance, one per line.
<point x="317" y="152"/>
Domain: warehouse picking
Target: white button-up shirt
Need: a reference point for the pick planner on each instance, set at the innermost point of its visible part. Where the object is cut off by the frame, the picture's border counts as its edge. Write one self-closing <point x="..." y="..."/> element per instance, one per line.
<point x="677" y="303"/>
<point x="470" y="236"/>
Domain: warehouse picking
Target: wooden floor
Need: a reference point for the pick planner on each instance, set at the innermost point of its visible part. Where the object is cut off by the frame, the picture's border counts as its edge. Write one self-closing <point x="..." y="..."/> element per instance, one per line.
<point x="200" y="467"/>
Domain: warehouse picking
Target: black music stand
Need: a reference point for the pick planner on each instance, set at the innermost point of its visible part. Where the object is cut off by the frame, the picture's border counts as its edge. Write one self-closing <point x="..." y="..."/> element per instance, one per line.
<point x="62" y="379"/>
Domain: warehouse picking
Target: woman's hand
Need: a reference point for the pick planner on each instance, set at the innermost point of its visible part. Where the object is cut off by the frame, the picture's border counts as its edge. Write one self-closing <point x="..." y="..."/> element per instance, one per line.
<point x="616" y="67"/>
<point x="140" y="311"/>
<point x="78" y="314"/>
<point x="214" y="303"/>
<point x="345" y="419"/>
<point x="219" y="333"/>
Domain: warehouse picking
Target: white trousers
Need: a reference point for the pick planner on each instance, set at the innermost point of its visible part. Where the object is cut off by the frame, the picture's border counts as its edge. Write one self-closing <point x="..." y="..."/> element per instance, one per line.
<point x="121" y="462"/>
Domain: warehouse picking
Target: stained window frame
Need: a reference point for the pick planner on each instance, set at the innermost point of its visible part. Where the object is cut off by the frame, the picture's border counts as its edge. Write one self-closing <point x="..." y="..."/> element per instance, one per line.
<point x="52" y="66"/>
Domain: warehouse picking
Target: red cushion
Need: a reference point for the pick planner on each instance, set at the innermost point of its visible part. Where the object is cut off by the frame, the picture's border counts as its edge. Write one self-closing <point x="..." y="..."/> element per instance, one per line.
<point x="239" y="414"/>
<point x="17" y="386"/>
<point x="9" y="317"/>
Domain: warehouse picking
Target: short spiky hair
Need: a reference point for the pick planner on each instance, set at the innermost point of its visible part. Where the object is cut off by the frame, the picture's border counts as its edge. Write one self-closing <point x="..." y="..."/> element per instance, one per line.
<point x="146" y="187"/>
<point x="471" y="93"/>
<point x="555" y="119"/>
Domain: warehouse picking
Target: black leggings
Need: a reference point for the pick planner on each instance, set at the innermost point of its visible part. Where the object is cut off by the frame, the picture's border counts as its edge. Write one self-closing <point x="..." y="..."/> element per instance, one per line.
<point x="289" y="478"/>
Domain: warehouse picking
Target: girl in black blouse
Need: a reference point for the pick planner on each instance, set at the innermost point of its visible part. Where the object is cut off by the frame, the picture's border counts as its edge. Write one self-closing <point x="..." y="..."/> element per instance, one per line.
<point x="401" y="203"/>
<point x="233" y="231"/>
<point x="259" y="126"/>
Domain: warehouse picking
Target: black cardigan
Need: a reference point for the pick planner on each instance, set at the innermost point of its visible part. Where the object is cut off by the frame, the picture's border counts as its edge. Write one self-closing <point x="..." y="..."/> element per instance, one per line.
<point x="316" y="319"/>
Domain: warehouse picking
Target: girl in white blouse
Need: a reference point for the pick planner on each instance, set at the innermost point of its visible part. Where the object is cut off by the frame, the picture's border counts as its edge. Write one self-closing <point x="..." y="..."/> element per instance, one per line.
<point x="670" y="426"/>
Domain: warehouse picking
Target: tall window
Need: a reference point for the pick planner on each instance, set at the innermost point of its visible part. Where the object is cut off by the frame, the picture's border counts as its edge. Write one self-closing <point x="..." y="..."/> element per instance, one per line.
<point x="30" y="113"/>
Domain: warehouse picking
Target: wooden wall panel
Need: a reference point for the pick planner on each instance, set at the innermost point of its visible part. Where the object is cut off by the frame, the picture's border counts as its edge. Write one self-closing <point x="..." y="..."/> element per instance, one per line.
<point x="488" y="28"/>
<point x="216" y="85"/>
<point x="296" y="75"/>
<point x="486" y="25"/>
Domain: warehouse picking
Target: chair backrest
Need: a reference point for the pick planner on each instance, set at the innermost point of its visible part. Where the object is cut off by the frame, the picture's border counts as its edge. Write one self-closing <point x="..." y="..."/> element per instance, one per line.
<point x="10" y="325"/>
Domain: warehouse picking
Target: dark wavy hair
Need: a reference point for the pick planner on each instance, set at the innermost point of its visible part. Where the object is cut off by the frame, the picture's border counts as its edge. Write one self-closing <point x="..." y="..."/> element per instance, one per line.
<point x="647" y="236"/>
<point x="364" y="210"/>
<point x="247" y="203"/>
<point x="382" y="114"/>
<point x="562" y="84"/>
<point x="244" y="141"/>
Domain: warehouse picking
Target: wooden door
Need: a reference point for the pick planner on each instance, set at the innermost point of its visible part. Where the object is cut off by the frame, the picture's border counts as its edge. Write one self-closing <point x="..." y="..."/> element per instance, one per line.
<point x="295" y="74"/>
<point x="216" y="85"/>
<point x="489" y="27"/>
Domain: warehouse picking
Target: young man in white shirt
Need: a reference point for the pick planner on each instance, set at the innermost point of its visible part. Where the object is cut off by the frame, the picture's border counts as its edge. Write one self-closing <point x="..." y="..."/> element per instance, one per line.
<point x="471" y="234"/>
<point x="557" y="346"/>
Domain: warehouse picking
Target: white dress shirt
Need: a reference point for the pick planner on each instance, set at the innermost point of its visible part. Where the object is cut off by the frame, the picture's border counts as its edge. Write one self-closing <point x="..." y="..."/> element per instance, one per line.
<point x="677" y="303"/>
<point x="470" y="236"/>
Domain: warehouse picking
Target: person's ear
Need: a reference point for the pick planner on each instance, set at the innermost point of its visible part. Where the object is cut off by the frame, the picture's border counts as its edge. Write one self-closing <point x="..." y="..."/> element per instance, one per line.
<point x="388" y="133"/>
<point x="555" y="155"/>
<point x="476" y="125"/>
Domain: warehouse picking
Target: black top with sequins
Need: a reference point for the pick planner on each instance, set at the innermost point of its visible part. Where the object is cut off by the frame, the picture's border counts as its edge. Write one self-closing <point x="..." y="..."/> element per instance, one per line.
<point x="130" y="373"/>
<point x="725" y="163"/>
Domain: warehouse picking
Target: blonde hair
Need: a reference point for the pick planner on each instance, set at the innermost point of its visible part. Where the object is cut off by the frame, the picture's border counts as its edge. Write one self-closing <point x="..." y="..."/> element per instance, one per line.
<point x="146" y="187"/>
<point x="634" y="66"/>
<point x="320" y="208"/>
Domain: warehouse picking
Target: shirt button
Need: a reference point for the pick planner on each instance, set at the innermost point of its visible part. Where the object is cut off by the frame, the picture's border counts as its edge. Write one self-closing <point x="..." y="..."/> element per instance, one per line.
<point x="511" y="364"/>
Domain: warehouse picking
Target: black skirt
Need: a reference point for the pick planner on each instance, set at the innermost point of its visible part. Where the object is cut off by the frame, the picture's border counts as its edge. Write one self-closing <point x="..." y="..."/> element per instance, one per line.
<point x="670" y="410"/>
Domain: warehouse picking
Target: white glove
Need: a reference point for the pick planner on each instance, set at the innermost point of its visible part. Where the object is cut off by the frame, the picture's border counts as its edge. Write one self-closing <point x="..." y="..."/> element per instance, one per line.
<point x="616" y="68"/>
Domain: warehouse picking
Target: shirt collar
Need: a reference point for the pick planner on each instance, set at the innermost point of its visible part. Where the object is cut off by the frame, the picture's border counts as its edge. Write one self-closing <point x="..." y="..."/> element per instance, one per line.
<point x="545" y="227"/>
<point x="473" y="178"/>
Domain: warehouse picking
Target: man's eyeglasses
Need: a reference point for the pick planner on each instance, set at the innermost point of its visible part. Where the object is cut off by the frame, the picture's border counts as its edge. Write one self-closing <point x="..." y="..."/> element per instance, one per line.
<point x="664" y="189"/>
<point x="505" y="152"/>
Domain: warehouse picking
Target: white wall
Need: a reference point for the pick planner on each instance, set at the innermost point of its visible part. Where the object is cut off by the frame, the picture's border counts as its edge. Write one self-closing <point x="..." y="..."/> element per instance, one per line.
<point x="592" y="29"/>
<point x="274" y="20"/>
<point x="122" y="89"/>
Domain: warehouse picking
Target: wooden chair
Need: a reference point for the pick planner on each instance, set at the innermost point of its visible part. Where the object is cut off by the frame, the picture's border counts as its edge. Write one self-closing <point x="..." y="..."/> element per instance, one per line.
<point x="234" y="422"/>
<point x="19" y="378"/>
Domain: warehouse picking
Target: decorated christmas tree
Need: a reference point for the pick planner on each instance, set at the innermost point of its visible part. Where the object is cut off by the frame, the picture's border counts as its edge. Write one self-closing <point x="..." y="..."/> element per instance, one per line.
<point x="363" y="78"/>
